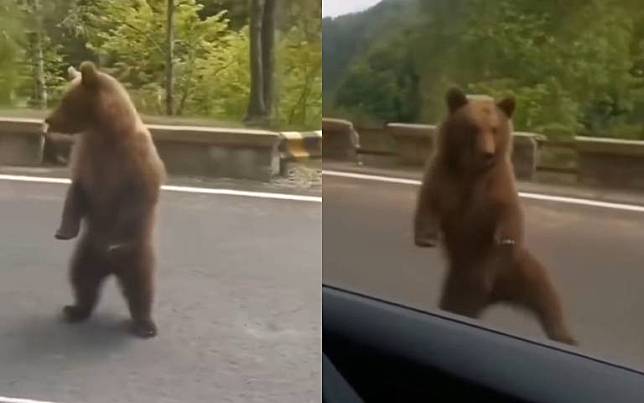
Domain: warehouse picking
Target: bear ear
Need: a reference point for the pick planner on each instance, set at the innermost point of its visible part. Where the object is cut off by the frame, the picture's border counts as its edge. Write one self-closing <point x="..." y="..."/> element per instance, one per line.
<point x="89" y="73"/>
<point x="455" y="99"/>
<point x="507" y="105"/>
<point x="72" y="73"/>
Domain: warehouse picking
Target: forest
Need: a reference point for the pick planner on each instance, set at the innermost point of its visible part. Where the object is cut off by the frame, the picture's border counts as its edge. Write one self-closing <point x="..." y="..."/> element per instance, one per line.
<point x="182" y="58"/>
<point x="575" y="66"/>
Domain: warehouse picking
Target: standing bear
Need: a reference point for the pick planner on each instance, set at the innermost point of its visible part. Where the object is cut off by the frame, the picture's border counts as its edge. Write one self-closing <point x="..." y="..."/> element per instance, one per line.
<point x="116" y="180"/>
<point x="469" y="198"/>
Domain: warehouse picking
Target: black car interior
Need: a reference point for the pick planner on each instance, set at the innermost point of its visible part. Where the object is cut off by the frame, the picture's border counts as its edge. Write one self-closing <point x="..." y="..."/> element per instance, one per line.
<point x="377" y="351"/>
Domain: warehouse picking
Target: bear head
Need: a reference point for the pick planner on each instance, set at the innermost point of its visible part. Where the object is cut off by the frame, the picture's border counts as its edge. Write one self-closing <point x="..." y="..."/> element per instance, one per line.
<point x="477" y="134"/>
<point x="93" y="99"/>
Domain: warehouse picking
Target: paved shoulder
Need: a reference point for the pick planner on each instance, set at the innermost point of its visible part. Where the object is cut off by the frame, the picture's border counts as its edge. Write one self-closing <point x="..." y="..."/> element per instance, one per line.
<point x="237" y="305"/>
<point x="594" y="253"/>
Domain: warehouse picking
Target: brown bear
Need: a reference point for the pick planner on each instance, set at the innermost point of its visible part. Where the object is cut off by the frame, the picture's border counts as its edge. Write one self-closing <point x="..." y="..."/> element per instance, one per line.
<point x="469" y="199"/>
<point x="116" y="179"/>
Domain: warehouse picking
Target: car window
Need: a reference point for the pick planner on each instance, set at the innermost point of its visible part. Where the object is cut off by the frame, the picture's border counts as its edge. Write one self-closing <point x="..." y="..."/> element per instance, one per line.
<point x="483" y="158"/>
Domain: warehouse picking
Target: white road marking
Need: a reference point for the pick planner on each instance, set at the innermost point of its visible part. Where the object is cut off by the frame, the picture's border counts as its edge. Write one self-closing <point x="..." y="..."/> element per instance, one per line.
<point x="180" y="189"/>
<point x="36" y="179"/>
<point x="372" y="177"/>
<point x="525" y="195"/>
<point x="16" y="400"/>
<point x="231" y="192"/>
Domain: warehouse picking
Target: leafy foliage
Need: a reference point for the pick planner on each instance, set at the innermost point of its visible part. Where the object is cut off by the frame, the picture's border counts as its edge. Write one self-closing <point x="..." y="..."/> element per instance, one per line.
<point x="11" y="52"/>
<point x="575" y="66"/>
<point x="126" y="37"/>
<point x="300" y="63"/>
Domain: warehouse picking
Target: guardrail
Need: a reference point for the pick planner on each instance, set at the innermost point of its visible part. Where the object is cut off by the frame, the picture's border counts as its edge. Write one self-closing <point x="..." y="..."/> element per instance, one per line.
<point x="340" y="141"/>
<point x="301" y="145"/>
<point x="605" y="162"/>
<point x="558" y="156"/>
<point x="411" y="145"/>
<point x="185" y="150"/>
<point x="21" y="141"/>
<point x="610" y="162"/>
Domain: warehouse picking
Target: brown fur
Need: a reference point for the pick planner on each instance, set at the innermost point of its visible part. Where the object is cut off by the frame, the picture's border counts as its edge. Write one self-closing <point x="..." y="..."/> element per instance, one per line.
<point x="468" y="197"/>
<point x="116" y="179"/>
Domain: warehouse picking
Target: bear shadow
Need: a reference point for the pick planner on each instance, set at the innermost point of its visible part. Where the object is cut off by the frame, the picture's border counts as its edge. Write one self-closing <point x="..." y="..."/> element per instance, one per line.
<point x="36" y="339"/>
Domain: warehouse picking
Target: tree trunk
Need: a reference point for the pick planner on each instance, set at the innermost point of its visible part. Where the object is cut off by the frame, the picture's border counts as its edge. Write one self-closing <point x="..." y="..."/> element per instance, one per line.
<point x="256" y="112"/>
<point x="37" y="57"/>
<point x="169" y="59"/>
<point x="268" y="55"/>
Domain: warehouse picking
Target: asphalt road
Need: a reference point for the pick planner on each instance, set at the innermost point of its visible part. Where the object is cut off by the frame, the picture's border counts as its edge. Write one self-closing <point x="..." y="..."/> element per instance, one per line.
<point x="238" y="306"/>
<point x="595" y="255"/>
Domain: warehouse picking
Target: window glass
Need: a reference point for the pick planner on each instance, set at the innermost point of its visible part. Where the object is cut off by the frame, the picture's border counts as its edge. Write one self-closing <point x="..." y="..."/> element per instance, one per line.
<point x="524" y="120"/>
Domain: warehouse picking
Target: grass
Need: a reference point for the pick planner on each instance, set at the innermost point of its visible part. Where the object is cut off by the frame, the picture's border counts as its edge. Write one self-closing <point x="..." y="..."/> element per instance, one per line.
<point x="151" y="119"/>
<point x="155" y="119"/>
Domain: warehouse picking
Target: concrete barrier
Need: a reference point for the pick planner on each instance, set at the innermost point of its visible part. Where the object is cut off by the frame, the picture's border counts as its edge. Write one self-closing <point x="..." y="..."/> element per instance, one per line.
<point x="525" y="154"/>
<point x="300" y="145"/>
<point x="610" y="162"/>
<point x="340" y="141"/>
<point x="218" y="152"/>
<point x="413" y="142"/>
<point x="377" y="141"/>
<point x="414" y="145"/>
<point x="21" y="141"/>
<point x="185" y="150"/>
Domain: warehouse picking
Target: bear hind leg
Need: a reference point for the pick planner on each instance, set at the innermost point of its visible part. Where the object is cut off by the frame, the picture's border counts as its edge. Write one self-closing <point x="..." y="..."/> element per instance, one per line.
<point x="137" y="284"/>
<point x="463" y="294"/>
<point x="533" y="289"/>
<point x="87" y="275"/>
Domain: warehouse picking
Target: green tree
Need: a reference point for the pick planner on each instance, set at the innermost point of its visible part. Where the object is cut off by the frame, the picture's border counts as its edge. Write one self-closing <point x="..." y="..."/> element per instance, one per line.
<point x="384" y="85"/>
<point x="205" y="72"/>
<point x="169" y="58"/>
<point x="300" y="63"/>
<point x="11" y="52"/>
<point x="262" y="61"/>
<point x="29" y="59"/>
<point x="125" y="35"/>
<point x="575" y="66"/>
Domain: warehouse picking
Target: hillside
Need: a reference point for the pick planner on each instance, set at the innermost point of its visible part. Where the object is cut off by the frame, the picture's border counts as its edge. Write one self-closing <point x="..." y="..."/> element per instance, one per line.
<point x="346" y="38"/>
<point x="396" y="60"/>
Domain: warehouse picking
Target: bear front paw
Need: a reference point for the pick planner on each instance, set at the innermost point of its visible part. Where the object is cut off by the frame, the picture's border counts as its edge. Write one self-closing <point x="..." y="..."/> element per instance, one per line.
<point x="114" y="247"/>
<point x="65" y="234"/>
<point x="75" y="314"/>
<point x="426" y="241"/>
<point x="118" y="248"/>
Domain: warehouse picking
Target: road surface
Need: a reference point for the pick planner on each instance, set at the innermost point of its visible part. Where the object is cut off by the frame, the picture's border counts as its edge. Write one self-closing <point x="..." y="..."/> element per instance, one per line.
<point x="595" y="255"/>
<point x="238" y="305"/>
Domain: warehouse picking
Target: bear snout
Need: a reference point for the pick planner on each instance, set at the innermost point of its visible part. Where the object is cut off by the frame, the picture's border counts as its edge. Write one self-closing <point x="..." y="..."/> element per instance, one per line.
<point x="487" y="157"/>
<point x="49" y="123"/>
